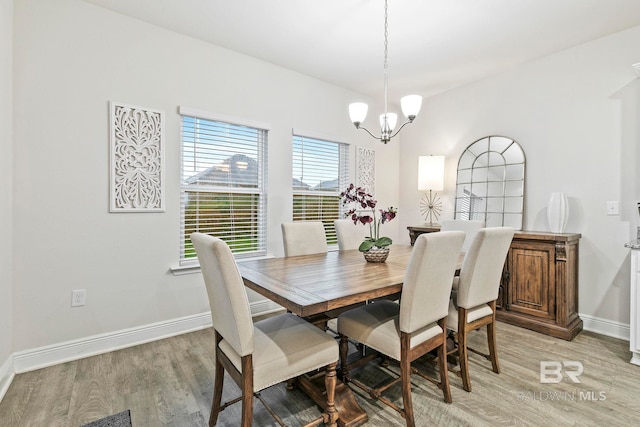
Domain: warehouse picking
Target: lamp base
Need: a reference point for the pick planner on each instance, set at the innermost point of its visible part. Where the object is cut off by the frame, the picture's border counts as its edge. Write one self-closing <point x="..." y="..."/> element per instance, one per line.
<point x="431" y="207"/>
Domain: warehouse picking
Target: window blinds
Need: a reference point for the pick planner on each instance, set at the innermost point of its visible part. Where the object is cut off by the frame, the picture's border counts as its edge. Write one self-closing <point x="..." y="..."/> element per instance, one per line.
<point x="319" y="174"/>
<point x="223" y="185"/>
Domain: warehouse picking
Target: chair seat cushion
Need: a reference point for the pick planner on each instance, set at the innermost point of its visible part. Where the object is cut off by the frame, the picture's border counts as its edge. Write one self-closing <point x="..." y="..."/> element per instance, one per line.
<point x="285" y="346"/>
<point x="377" y="326"/>
<point x="473" y="314"/>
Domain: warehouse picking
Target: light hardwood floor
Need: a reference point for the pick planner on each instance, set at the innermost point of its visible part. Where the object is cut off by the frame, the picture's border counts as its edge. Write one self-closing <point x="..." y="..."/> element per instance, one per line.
<point x="169" y="383"/>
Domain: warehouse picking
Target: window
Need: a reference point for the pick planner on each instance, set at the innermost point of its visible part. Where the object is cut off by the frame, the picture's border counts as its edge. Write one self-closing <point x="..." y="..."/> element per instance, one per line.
<point x="319" y="174"/>
<point x="222" y="184"/>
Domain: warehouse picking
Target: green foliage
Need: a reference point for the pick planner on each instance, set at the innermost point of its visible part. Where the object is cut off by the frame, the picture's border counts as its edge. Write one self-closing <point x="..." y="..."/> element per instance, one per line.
<point x="369" y="243"/>
<point x="233" y="217"/>
<point x="318" y="207"/>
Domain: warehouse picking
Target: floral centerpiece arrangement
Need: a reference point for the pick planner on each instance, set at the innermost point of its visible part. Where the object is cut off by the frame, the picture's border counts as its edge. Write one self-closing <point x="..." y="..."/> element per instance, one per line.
<point x="363" y="210"/>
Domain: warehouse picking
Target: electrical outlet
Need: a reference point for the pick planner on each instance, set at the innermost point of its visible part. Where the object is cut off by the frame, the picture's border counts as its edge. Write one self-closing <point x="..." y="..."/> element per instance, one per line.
<point x="78" y="297"/>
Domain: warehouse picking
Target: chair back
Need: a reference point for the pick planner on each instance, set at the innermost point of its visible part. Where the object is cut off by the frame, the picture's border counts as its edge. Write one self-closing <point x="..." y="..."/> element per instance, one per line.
<point x="228" y="300"/>
<point x="350" y="235"/>
<point x="482" y="267"/>
<point x="470" y="227"/>
<point x="303" y="238"/>
<point x="428" y="279"/>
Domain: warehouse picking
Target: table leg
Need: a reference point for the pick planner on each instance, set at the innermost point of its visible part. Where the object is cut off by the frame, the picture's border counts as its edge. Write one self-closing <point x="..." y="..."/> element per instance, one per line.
<point x="350" y="413"/>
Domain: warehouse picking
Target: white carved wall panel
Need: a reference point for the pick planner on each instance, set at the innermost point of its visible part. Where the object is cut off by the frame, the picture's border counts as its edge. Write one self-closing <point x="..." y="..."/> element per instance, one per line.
<point x="366" y="169"/>
<point x="137" y="159"/>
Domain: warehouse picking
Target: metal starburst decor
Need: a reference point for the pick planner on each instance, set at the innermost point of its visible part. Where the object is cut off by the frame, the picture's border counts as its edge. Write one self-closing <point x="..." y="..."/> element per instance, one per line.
<point x="431" y="207"/>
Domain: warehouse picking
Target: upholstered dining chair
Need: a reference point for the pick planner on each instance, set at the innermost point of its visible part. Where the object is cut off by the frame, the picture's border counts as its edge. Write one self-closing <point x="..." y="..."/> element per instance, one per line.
<point x="349" y="235"/>
<point x="473" y="301"/>
<point x="303" y="238"/>
<point x="258" y="355"/>
<point x="470" y="227"/>
<point x="407" y="330"/>
<point x="307" y="238"/>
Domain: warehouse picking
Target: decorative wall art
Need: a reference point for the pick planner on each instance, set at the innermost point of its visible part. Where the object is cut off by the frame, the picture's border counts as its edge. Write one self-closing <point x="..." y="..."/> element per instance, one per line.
<point x="137" y="159"/>
<point x="366" y="169"/>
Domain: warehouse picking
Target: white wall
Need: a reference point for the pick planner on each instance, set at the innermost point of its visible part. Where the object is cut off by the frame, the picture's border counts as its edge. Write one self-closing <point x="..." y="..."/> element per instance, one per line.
<point x="575" y="114"/>
<point x="71" y="59"/>
<point x="6" y="192"/>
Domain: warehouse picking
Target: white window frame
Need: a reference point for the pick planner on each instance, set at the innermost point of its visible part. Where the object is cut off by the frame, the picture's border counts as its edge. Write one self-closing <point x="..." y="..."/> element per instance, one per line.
<point x="187" y="255"/>
<point x="343" y="175"/>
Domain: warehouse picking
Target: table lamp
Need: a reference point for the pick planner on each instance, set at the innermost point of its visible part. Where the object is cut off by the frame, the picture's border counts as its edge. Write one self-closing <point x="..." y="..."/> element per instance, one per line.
<point x="431" y="179"/>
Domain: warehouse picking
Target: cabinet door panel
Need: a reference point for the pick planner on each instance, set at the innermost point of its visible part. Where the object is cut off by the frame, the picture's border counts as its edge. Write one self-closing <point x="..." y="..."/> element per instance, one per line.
<point x="531" y="290"/>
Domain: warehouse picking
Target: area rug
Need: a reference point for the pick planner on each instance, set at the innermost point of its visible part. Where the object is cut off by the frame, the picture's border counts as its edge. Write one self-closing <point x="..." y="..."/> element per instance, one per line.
<point x="122" y="419"/>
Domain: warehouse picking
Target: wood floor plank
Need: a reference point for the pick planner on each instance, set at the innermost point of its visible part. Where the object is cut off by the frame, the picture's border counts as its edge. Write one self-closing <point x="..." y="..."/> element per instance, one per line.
<point x="169" y="383"/>
<point x="14" y="407"/>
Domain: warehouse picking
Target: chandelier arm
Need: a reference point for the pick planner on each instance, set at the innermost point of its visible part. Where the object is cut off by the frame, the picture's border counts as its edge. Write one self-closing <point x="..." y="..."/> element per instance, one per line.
<point x="367" y="130"/>
<point x="399" y="129"/>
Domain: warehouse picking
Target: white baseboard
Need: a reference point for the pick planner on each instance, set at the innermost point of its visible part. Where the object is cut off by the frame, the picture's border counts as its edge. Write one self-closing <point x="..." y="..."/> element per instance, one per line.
<point x="42" y="357"/>
<point x="605" y="327"/>
<point x="264" y="307"/>
<point x="6" y="376"/>
<point x="29" y="360"/>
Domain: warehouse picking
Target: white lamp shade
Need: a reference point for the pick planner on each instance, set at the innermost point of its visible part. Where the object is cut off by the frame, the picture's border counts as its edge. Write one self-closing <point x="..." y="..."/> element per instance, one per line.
<point x="358" y="112"/>
<point x="411" y="105"/>
<point x="431" y="173"/>
<point x="392" y="120"/>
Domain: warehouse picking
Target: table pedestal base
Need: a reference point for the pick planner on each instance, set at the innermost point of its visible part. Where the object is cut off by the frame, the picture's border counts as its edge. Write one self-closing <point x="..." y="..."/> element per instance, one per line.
<point x="350" y="413"/>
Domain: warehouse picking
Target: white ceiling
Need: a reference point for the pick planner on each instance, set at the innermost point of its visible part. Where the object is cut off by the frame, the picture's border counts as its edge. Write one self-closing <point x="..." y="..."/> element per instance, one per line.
<point x="434" y="45"/>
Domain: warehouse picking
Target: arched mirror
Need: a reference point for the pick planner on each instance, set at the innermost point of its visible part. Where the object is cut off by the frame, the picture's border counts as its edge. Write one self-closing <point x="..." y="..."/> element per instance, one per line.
<point x="490" y="182"/>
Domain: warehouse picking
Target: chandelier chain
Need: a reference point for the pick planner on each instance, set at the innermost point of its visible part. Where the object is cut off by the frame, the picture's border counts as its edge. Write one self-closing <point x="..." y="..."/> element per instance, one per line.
<point x="386" y="53"/>
<point x="388" y="121"/>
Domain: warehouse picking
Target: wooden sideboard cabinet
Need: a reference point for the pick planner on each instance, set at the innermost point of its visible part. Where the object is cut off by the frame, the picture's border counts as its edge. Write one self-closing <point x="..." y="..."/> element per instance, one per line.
<point x="539" y="289"/>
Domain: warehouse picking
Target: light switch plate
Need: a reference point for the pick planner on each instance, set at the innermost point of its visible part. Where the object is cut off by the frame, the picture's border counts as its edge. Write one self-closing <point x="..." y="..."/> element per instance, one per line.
<point x="612" y="208"/>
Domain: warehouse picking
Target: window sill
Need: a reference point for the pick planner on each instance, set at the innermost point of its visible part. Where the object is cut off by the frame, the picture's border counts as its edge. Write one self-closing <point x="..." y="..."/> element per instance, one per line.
<point x="182" y="270"/>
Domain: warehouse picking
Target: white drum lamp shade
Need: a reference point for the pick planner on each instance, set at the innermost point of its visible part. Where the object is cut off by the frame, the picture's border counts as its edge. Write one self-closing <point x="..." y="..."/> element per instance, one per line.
<point x="431" y="173"/>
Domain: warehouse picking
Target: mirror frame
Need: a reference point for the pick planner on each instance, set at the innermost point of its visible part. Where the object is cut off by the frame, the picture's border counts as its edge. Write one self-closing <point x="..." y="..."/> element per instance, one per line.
<point x="491" y="177"/>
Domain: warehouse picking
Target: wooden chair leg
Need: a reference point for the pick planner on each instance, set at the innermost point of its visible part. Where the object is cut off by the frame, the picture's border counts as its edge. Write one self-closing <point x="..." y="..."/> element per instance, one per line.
<point x="462" y="349"/>
<point x="405" y="373"/>
<point x="217" y="393"/>
<point x="247" y="391"/>
<point x="444" y="371"/>
<point x="344" y="351"/>
<point x="330" y="385"/>
<point x="493" y="351"/>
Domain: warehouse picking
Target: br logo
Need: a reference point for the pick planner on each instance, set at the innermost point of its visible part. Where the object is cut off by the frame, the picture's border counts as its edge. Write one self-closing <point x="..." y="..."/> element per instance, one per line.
<point x="552" y="372"/>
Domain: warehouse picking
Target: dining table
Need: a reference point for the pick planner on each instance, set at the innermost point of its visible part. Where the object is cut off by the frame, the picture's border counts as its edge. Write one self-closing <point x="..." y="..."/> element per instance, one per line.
<point x="309" y="285"/>
<point x="312" y="285"/>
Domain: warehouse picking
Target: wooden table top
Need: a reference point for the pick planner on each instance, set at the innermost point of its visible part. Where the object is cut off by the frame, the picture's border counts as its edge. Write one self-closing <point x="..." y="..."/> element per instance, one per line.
<point x="312" y="284"/>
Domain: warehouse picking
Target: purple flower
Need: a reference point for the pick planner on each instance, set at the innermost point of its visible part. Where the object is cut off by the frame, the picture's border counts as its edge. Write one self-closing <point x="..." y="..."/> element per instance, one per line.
<point x="388" y="215"/>
<point x="364" y="200"/>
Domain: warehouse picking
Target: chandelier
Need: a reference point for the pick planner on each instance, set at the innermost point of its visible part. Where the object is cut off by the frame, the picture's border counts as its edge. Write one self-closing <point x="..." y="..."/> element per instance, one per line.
<point x="410" y="104"/>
